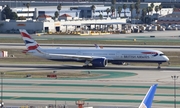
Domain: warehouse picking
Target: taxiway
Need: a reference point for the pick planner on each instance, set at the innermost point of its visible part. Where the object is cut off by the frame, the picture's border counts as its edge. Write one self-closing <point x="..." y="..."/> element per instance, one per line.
<point x="112" y="90"/>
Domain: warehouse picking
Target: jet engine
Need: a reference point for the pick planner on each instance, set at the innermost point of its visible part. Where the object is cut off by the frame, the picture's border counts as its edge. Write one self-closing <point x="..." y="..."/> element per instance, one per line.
<point x="99" y="62"/>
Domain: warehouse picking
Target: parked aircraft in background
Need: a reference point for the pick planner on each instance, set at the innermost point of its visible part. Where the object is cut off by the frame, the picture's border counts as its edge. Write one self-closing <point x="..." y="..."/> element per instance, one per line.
<point x="95" y="56"/>
<point x="98" y="47"/>
<point x="148" y="99"/>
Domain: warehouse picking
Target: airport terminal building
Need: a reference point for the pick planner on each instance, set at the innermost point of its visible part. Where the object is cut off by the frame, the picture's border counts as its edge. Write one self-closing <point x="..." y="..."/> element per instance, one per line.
<point x="45" y="23"/>
<point x="41" y="18"/>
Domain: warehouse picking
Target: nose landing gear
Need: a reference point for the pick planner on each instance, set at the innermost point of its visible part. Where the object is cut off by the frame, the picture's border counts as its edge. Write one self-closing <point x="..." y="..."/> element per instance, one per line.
<point x="159" y="65"/>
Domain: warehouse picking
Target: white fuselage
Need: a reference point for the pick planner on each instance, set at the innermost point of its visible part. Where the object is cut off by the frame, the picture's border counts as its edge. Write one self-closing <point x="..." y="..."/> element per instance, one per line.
<point x="111" y="54"/>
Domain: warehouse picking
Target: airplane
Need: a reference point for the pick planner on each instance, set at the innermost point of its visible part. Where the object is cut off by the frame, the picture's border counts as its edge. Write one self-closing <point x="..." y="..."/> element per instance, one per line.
<point x="96" y="57"/>
<point x="148" y="99"/>
<point x="98" y="47"/>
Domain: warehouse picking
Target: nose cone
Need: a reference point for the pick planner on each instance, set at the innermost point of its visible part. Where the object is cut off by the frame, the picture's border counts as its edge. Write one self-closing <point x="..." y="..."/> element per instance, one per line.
<point x="166" y="58"/>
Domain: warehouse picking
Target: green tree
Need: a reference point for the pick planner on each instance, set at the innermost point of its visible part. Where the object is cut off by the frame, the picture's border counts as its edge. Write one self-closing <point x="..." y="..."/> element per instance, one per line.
<point x="113" y="2"/>
<point x="147" y="10"/>
<point x="28" y="5"/>
<point x="119" y="11"/>
<point x="112" y="10"/>
<point x="100" y="16"/>
<point x="8" y="14"/>
<point x="131" y="9"/>
<point x="137" y="12"/>
<point x="59" y="8"/>
<point x="56" y="14"/>
<point x="124" y="7"/>
<point x="144" y="12"/>
<point x="93" y="9"/>
<point x="152" y="7"/>
<point x="14" y="16"/>
<point x="157" y="9"/>
<point x="107" y="11"/>
<point x="113" y="6"/>
<point x="160" y="7"/>
<point x="137" y="7"/>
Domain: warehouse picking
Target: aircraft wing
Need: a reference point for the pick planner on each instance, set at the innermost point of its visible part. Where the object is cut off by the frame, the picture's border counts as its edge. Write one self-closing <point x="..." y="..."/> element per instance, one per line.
<point x="76" y="56"/>
<point x="82" y="57"/>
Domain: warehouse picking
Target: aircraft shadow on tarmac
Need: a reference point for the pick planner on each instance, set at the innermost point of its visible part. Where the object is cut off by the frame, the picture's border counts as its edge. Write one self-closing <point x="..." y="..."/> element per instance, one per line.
<point x="86" y="68"/>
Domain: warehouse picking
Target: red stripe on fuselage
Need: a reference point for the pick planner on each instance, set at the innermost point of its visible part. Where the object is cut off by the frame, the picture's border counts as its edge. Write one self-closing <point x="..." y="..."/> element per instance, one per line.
<point x="149" y="52"/>
<point x="25" y="35"/>
<point x="33" y="47"/>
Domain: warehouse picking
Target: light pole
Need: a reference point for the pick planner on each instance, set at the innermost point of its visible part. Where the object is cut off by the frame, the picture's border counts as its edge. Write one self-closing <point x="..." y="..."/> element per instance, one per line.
<point x="174" y="78"/>
<point x="2" y="73"/>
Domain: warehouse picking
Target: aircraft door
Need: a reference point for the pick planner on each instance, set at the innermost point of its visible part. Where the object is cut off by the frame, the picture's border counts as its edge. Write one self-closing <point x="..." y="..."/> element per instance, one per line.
<point x="118" y="55"/>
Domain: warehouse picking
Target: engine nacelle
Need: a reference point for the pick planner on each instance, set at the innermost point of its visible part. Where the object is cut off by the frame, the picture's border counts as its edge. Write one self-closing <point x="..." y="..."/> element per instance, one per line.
<point x="99" y="62"/>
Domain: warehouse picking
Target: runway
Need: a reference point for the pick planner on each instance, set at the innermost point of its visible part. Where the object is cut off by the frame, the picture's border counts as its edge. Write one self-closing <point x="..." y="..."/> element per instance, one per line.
<point x="97" y="91"/>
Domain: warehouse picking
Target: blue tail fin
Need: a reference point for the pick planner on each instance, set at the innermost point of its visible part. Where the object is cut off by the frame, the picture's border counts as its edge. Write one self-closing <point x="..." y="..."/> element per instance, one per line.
<point x="148" y="99"/>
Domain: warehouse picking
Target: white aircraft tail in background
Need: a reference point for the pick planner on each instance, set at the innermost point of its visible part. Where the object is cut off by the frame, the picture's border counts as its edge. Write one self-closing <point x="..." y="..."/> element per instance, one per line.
<point x="148" y="99"/>
<point x="98" y="47"/>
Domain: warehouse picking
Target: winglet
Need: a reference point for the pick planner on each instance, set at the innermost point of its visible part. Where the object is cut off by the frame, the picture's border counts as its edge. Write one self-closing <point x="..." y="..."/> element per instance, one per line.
<point x="148" y="99"/>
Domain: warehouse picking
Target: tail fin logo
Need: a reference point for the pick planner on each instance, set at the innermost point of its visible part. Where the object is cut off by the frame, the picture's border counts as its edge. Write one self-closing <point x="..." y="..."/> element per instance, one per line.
<point x="27" y="42"/>
<point x="30" y="43"/>
<point x="25" y="35"/>
<point x="33" y="47"/>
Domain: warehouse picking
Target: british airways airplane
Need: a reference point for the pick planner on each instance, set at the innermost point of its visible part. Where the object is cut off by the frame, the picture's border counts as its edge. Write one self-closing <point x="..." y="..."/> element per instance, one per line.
<point x="97" y="57"/>
<point x="148" y="99"/>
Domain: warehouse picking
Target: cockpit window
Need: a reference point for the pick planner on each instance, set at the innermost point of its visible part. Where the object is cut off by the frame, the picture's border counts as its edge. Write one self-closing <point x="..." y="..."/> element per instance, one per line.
<point x="161" y="54"/>
<point x="155" y="54"/>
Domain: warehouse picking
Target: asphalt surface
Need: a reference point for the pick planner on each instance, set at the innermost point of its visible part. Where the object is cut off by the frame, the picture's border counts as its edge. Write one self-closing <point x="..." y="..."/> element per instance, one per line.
<point x="158" y="34"/>
<point x="123" y="86"/>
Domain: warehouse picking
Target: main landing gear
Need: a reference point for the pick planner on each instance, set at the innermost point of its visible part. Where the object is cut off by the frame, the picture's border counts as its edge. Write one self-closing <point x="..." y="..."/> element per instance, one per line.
<point x="159" y="65"/>
<point x="86" y="64"/>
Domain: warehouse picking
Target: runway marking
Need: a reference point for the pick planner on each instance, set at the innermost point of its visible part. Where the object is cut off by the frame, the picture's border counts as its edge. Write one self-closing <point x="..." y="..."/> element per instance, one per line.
<point x="156" y="101"/>
<point x="53" y="92"/>
<point x="84" y="99"/>
<point x="35" y="84"/>
<point x="87" y="85"/>
<point x="107" y="85"/>
<point x="130" y="94"/>
<point x="15" y="97"/>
